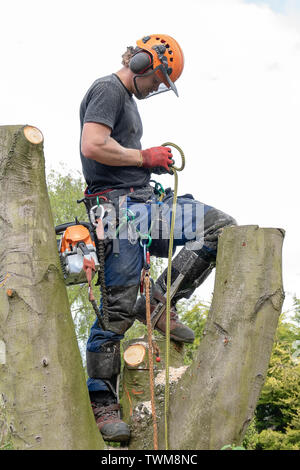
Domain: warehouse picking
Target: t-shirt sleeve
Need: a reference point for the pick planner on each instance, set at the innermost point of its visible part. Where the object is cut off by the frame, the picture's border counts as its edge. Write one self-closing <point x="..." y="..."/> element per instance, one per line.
<point x="104" y="105"/>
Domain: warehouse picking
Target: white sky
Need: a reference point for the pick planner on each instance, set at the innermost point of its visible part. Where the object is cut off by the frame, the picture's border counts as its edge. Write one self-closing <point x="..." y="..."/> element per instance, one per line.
<point x="237" y="116"/>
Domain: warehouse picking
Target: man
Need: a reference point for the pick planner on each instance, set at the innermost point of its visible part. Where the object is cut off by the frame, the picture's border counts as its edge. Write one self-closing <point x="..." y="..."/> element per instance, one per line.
<point x="115" y="165"/>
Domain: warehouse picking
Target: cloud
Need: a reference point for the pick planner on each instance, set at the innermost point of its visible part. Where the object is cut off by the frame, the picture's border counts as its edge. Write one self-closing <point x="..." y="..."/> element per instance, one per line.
<point x="289" y="10"/>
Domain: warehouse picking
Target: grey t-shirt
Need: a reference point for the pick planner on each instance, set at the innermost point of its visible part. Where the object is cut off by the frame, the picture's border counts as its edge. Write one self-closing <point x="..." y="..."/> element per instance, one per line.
<point x="109" y="102"/>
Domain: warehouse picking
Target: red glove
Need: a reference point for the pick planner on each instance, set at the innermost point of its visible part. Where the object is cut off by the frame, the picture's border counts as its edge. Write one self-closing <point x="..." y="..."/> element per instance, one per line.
<point x="158" y="158"/>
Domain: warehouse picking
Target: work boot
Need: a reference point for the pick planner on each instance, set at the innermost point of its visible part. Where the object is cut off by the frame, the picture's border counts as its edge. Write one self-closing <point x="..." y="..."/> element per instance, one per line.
<point x="178" y="331"/>
<point x="107" y="415"/>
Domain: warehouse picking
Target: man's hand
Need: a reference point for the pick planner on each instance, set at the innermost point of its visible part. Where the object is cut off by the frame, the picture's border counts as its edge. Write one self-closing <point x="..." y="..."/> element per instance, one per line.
<point x="158" y="159"/>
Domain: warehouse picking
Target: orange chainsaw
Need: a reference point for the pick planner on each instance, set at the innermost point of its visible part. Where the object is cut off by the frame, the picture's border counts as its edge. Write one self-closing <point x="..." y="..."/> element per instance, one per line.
<point x="77" y="250"/>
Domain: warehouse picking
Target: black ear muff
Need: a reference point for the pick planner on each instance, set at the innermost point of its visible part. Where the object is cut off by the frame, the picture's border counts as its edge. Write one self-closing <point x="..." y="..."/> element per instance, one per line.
<point x="140" y="62"/>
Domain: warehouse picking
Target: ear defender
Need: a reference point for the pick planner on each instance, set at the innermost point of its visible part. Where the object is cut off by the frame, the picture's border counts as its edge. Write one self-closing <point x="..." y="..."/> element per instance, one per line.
<point x="140" y="62"/>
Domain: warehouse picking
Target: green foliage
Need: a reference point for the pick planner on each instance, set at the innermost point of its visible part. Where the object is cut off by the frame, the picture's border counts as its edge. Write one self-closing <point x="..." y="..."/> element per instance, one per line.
<point x="297" y="311"/>
<point x="275" y="440"/>
<point x="232" y="447"/>
<point x="157" y="266"/>
<point x="277" y="417"/>
<point x="5" y="431"/>
<point x="193" y="313"/>
<point x="7" y="445"/>
<point x="269" y="439"/>
<point x="64" y="190"/>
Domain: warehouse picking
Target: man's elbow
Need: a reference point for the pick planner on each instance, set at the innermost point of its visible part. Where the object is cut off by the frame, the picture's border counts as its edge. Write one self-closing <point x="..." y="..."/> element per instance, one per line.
<point x="94" y="140"/>
<point x="88" y="150"/>
<point x="91" y="150"/>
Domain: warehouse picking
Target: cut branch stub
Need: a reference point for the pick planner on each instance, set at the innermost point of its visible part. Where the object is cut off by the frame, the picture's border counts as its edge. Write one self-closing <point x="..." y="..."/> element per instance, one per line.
<point x="33" y="134"/>
<point x="134" y="355"/>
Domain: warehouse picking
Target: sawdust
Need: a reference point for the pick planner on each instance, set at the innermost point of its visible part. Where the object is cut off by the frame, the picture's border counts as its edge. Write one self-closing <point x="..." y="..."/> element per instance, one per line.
<point x="147" y="405"/>
<point x="143" y="409"/>
<point x="174" y="375"/>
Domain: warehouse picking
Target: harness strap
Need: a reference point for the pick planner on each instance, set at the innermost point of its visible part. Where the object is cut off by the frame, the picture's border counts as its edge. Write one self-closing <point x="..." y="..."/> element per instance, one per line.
<point x="117" y="192"/>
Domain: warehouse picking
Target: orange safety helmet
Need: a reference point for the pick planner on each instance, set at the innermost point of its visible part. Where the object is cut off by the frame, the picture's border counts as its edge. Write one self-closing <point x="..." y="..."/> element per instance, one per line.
<point x="160" y="54"/>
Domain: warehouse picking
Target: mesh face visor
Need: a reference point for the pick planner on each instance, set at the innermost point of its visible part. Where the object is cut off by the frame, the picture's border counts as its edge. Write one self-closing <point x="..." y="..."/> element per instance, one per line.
<point x="154" y="82"/>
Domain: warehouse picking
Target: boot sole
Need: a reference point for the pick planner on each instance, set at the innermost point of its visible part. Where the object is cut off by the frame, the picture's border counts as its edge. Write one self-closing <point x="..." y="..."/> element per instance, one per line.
<point x="121" y="437"/>
<point x="120" y="433"/>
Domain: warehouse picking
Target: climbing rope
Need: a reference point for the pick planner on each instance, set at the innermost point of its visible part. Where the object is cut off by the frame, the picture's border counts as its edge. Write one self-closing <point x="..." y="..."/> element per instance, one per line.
<point x="150" y="358"/>
<point x="168" y="299"/>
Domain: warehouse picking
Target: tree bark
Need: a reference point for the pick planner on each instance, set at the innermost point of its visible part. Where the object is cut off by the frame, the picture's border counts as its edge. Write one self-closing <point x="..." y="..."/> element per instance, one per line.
<point x="44" y="398"/>
<point x="212" y="404"/>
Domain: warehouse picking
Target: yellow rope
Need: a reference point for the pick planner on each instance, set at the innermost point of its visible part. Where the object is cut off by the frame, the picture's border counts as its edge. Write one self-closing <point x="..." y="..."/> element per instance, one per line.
<point x="168" y="300"/>
<point x="150" y="357"/>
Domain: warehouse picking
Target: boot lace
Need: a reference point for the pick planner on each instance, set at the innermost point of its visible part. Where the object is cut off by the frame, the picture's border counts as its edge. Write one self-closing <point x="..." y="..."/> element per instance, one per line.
<point x="104" y="412"/>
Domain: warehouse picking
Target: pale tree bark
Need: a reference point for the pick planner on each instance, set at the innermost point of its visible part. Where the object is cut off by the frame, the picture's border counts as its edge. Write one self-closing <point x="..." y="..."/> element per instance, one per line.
<point x="213" y="402"/>
<point x="44" y="398"/>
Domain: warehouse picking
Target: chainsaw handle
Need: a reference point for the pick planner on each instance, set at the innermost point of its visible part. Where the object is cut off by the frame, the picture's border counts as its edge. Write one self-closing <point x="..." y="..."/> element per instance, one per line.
<point x="62" y="227"/>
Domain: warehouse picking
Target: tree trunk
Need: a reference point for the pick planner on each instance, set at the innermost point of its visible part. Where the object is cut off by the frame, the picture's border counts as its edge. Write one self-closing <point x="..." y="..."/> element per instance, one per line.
<point x="44" y="398"/>
<point x="213" y="402"/>
<point x="136" y="399"/>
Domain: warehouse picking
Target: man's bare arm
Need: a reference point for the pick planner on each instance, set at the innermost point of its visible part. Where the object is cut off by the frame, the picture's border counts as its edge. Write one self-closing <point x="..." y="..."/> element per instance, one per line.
<point x="97" y="144"/>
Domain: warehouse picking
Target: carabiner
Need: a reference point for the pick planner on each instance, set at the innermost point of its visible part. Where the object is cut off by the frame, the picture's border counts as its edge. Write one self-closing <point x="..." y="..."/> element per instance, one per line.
<point x="94" y="214"/>
<point x="145" y="236"/>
